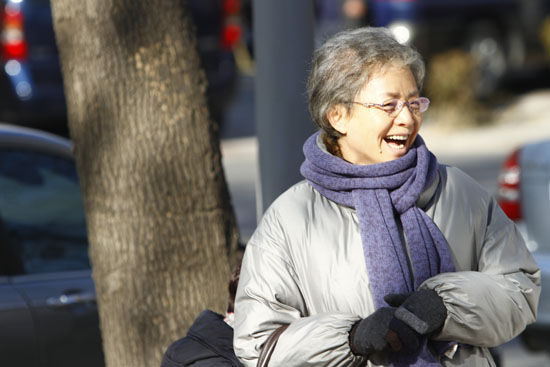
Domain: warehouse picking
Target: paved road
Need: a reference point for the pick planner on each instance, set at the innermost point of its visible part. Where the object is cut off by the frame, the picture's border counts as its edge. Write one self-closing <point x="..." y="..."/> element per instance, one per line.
<point x="513" y="354"/>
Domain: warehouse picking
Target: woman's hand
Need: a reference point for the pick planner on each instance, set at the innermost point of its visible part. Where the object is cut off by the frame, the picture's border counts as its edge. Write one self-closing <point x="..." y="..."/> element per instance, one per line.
<point x="382" y="331"/>
<point x="423" y="310"/>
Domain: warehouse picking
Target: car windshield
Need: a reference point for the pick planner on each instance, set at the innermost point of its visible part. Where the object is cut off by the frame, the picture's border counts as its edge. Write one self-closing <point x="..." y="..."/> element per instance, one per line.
<point x="42" y="221"/>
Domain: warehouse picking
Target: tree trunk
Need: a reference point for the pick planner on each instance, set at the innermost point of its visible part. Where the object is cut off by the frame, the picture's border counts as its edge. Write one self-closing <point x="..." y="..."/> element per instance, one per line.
<point x="158" y="212"/>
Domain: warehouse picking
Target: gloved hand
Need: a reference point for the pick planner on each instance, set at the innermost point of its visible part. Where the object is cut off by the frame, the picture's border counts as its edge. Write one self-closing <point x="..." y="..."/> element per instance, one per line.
<point x="424" y="311"/>
<point x="382" y="331"/>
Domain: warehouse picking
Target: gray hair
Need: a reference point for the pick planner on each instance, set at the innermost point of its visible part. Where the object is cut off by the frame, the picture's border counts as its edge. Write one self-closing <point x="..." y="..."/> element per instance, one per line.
<point x="346" y="61"/>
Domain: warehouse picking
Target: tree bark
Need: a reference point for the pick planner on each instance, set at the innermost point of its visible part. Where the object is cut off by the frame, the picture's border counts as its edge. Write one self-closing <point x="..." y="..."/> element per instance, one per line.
<point x="160" y="223"/>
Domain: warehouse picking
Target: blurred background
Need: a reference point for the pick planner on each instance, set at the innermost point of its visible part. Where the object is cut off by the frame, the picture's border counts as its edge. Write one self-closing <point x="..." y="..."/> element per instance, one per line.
<point x="488" y="76"/>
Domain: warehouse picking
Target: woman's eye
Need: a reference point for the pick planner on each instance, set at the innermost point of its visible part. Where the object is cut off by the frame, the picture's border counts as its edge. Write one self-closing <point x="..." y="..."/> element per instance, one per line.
<point x="390" y="106"/>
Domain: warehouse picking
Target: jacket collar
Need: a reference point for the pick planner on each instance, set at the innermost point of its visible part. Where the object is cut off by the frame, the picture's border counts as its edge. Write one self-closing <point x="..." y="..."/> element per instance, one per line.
<point x="426" y="196"/>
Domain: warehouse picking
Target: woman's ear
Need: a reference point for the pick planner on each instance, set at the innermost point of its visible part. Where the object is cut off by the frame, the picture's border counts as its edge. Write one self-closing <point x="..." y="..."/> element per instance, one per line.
<point x="337" y="116"/>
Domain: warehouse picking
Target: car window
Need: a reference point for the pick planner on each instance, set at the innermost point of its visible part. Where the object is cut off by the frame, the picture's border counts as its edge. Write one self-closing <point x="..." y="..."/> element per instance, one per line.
<point x="42" y="223"/>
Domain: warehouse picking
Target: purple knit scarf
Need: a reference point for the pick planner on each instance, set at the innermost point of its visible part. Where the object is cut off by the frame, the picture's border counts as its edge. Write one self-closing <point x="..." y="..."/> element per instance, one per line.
<point x="380" y="192"/>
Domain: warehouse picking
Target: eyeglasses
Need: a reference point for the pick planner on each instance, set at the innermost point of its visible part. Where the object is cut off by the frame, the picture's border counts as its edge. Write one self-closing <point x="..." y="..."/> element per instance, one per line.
<point x="394" y="106"/>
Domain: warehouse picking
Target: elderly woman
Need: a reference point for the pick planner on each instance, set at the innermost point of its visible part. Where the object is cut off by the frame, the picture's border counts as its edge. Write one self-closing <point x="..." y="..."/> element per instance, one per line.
<point x="381" y="256"/>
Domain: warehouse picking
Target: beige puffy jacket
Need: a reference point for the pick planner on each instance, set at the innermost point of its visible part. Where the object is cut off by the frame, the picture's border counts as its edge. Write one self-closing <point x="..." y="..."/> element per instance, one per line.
<point x="305" y="266"/>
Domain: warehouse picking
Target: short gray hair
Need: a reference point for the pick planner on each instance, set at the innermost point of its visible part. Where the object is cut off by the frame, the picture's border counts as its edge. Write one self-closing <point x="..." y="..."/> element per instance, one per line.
<point x="346" y="61"/>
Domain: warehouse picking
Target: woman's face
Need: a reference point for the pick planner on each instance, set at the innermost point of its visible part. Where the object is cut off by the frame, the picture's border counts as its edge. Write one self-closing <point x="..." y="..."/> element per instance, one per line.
<point x="371" y="135"/>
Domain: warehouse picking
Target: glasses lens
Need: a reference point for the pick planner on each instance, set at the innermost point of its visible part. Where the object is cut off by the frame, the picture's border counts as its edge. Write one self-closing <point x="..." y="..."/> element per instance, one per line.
<point x="419" y="105"/>
<point x="423" y="103"/>
<point x="415" y="106"/>
<point x="391" y="107"/>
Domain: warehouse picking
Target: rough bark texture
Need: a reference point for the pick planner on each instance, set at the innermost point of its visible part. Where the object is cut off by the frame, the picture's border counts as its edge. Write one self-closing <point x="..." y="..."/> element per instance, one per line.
<point x="159" y="217"/>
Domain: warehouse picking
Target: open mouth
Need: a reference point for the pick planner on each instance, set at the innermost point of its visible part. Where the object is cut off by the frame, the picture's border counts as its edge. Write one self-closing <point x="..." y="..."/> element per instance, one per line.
<point x="396" y="141"/>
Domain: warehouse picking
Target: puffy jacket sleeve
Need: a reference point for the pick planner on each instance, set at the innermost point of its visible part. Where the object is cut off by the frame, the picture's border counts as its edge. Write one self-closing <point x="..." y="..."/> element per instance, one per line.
<point x="269" y="296"/>
<point x="494" y="301"/>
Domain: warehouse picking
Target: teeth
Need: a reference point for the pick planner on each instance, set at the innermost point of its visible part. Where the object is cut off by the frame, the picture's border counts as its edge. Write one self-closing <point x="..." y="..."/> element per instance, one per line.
<point x="397" y="137"/>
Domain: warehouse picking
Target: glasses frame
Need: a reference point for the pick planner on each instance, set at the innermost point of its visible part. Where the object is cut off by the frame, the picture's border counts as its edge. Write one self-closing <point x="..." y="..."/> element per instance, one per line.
<point x="400" y="104"/>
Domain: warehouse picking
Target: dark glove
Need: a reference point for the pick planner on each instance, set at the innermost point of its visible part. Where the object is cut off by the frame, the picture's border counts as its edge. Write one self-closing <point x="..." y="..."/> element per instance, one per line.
<point x="381" y="331"/>
<point x="424" y="311"/>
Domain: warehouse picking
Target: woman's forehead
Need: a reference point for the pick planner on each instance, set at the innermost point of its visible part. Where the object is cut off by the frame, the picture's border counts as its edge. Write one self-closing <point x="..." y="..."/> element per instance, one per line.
<point x="391" y="81"/>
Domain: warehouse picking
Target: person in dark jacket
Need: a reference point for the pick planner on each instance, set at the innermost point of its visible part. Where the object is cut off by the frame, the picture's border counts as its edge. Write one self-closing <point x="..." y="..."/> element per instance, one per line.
<point x="209" y="341"/>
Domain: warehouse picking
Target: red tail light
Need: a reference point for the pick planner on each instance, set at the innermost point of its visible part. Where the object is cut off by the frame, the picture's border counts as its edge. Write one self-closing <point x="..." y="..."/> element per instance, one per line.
<point x="508" y="186"/>
<point x="13" y="43"/>
<point x="231" y="26"/>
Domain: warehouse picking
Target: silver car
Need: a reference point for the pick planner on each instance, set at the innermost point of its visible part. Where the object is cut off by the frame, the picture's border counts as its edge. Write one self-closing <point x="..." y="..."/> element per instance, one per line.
<point x="48" y="311"/>
<point x="524" y="194"/>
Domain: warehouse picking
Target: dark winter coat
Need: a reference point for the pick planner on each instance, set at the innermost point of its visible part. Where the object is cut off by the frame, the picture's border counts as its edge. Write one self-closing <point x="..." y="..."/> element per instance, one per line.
<point x="209" y="343"/>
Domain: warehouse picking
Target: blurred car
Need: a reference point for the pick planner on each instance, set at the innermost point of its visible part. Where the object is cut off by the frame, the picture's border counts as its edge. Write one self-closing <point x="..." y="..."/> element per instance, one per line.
<point x="524" y="195"/>
<point x="48" y="310"/>
<point x="31" y="87"/>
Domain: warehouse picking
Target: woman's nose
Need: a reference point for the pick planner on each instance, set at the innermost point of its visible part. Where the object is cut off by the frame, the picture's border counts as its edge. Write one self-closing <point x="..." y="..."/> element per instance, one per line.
<point x="405" y="116"/>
